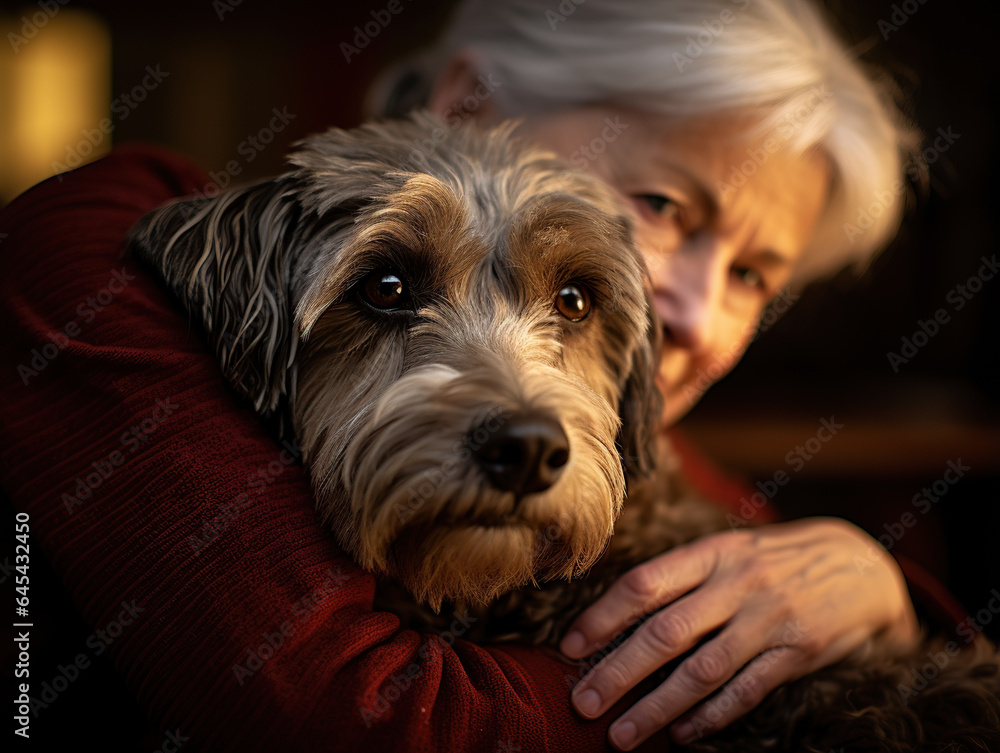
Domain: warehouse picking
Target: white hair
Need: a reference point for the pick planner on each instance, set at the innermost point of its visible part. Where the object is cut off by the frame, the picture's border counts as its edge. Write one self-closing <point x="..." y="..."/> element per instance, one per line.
<point x="776" y="59"/>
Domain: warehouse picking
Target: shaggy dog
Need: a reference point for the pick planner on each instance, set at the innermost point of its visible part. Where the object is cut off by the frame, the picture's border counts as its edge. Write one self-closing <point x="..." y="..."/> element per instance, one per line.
<point x="458" y="333"/>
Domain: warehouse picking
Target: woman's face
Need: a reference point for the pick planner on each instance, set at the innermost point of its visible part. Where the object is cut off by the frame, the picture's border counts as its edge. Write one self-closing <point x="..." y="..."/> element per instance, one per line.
<point x="721" y="220"/>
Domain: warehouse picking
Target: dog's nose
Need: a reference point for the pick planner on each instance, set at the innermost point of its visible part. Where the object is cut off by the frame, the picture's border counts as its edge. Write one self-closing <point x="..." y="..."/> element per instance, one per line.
<point x="526" y="454"/>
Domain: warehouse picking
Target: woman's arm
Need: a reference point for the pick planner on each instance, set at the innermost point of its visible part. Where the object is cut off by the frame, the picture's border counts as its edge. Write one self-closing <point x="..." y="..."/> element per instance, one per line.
<point x="149" y="485"/>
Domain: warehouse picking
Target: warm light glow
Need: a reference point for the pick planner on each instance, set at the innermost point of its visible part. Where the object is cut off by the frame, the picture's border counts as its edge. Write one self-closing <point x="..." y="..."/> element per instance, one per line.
<point x="55" y="91"/>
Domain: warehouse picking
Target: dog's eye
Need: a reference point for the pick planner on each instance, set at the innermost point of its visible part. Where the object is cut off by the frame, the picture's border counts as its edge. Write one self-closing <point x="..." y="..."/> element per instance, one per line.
<point x="573" y="302"/>
<point x="385" y="290"/>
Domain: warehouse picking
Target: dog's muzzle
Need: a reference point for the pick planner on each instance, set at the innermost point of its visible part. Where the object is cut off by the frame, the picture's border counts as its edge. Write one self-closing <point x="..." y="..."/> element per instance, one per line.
<point x="526" y="455"/>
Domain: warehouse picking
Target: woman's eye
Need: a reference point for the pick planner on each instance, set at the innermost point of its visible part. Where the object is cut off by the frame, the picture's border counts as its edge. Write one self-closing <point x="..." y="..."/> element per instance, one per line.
<point x="573" y="302"/>
<point x="749" y="277"/>
<point x="385" y="290"/>
<point x="661" y="206"/>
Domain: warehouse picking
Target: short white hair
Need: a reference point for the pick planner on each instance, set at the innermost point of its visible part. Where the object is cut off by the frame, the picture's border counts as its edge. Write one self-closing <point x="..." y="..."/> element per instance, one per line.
<point x="778" y="60"/>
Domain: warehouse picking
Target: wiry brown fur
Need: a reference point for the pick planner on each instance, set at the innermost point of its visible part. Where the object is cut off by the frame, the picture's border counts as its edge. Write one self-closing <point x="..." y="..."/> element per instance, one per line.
<point x="387" y="406"/>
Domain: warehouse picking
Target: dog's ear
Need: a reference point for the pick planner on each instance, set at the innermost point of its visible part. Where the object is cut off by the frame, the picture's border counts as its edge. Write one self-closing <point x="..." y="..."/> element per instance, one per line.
<point x="642" y="404"/>
<point x="229" y="259"/>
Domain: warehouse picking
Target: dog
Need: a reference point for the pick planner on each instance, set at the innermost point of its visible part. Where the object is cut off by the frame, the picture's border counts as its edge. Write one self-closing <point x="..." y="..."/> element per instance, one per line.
<point x="457" y="331"/>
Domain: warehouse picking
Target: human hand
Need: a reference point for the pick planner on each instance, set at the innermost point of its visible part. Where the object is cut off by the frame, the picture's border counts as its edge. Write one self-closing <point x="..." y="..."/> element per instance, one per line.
<point x="789" y="598"/>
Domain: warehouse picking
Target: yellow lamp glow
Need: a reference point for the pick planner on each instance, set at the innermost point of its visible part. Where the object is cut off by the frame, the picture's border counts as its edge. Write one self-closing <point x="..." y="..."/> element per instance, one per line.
<point x="55" y="87"/>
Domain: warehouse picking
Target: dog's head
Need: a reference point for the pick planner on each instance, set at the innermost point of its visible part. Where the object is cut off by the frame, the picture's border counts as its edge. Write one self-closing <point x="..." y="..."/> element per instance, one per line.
<point x="460" y="329"/>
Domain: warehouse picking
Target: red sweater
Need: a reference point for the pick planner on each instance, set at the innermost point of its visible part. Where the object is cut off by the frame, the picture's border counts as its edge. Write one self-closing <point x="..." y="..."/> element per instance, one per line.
<point x="186" y="538"/>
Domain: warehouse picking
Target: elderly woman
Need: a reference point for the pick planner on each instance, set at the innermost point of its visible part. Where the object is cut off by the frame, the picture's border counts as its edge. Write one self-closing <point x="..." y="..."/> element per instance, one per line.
<point x="745" y="140"/>
<point x="743" y="137"/>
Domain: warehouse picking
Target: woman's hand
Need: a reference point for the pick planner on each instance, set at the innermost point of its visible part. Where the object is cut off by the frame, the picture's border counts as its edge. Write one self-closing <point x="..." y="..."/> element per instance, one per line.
<point x="789" y="599"/>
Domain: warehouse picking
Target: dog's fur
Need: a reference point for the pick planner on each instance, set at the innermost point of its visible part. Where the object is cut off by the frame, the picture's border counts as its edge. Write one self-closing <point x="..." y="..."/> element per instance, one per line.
<point x="393" y="406"/>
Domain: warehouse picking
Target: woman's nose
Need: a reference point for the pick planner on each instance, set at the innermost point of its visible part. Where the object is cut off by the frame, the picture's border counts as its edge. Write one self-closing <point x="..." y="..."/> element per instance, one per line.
<point x="688" y="293"/>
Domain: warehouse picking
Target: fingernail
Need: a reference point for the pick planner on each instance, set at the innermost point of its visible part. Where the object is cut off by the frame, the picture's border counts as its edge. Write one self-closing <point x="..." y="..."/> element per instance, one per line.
<point x="574" y="644"/>
<point x="623" y="734"/>
<point x="587" y="702"/>
<point x="683" y="732"/>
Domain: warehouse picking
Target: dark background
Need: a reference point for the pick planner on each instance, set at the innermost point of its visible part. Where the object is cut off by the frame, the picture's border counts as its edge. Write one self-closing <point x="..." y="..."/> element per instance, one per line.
<point x="828" y="357"/>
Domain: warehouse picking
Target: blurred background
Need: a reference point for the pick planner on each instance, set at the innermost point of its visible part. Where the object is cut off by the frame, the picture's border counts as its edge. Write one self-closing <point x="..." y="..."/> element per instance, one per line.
<point x="206" y="79"/>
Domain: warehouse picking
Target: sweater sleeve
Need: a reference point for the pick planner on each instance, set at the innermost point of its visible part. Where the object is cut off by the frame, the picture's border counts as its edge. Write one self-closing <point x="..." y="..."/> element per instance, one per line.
<point x="167" y="512"/>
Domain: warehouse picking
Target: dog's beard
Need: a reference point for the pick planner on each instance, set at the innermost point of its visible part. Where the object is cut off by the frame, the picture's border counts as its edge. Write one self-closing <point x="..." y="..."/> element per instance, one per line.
<point x="419" y="508"/>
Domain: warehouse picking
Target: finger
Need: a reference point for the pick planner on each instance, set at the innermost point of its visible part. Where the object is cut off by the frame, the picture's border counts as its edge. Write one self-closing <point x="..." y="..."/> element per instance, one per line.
<point x="740" y="696"/>
<point x="698" y="676"/>
<point x="642" y="590"/>
<point x="664" y="636"/>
